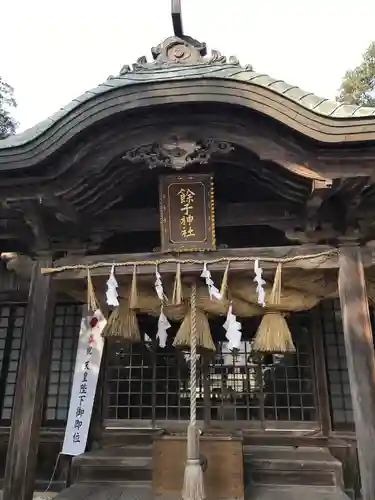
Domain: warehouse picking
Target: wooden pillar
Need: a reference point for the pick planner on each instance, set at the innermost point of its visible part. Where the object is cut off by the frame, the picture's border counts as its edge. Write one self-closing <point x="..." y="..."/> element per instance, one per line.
<point x="360" y="360"/>
<point x="33" y="369"/>
<point x="321" y="382"/>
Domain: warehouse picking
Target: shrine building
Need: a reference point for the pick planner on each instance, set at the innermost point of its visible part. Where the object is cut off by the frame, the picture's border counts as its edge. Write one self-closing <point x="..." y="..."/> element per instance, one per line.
<point x="189" y="201"/>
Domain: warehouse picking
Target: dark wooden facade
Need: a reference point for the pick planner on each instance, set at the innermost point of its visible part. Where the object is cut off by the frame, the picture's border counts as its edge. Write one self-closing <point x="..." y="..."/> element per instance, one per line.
<point x="292" y="175"/>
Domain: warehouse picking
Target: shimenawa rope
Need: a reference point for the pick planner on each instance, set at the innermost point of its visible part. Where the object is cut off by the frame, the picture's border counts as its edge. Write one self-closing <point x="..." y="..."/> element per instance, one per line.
<point x="157" y="262"/>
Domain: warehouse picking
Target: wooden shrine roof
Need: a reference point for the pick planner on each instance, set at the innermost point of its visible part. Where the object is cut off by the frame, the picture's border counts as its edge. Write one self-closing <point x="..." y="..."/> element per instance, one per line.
<point x="181" y="72"/>
<point x="91" y="170"/>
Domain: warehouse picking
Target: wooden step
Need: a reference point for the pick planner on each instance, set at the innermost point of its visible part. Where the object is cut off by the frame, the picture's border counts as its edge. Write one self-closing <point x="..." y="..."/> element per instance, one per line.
<point x="292" y="466"/>
<point x="116" y="464"/>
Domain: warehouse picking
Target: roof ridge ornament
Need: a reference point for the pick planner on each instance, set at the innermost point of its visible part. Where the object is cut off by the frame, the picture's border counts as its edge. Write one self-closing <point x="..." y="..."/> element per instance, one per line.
<point x="175" y="51"/>
<point x="178" y="50"/>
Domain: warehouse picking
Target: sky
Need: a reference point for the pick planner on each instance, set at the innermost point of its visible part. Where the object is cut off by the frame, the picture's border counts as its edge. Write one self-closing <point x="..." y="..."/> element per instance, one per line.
<point x="53" y="51"/>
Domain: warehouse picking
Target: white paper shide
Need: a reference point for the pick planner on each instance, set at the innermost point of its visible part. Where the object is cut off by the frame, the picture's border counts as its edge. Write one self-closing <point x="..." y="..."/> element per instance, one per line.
<point x="261" y="294"/>
<point x="111" y="293"/>
<point x="85" y="379"/>
<point x="233" y="330"/>
<point x="163" y="325"/>
<point x="213" y="291"/>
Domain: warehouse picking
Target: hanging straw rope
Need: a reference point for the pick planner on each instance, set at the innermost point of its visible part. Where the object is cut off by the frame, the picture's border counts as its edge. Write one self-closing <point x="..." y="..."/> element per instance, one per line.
<point x="273" y="334"/>
<point x="284" y="260"/>
<point x="177" y="296"/>
<point x="134" y="290"/>
<point x="224" y="282"/>
<point x="193" y="487"/>
<point x="123" y="323"/>
<point x="203" y="339"/>
<point x="92" y="303"/>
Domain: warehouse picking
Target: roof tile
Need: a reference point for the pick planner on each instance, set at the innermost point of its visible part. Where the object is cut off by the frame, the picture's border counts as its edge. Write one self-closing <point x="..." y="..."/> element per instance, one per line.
<point x="280" y="86"/>
<point x="227" y="71"/>
<point x="326" y="107"/>
<point x="363" y="111"/>
<point x="311" y="101"/>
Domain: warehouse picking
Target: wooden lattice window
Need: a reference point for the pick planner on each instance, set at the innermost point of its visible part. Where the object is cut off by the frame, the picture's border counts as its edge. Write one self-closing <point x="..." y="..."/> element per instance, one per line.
<point x="12" y="318"/>
<point x="337" y="371"/>
<point x="65" y="332"/>
<point x="143" y="384"/>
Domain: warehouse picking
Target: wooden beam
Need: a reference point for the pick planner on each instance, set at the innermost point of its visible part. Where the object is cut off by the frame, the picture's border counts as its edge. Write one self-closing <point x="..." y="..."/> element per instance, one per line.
<point x="33" y="369"/>
<point x="227" y="215"/>
<point x="275" y="214"/>
<point x="324" y="262"/>
<point x="360" y="356"/>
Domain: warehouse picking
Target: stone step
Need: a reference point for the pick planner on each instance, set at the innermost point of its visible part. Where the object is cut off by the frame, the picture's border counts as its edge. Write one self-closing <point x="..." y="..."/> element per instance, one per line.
<point x="143" y="491"/>
<point x="263" y="465"/>
<point x="292" y="466"/>
<point x="106" y="491"/>
<point x="296" y="493"/>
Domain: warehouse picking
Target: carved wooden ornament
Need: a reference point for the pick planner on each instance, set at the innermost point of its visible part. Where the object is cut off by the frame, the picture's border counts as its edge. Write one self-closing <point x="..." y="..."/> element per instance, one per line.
<point x="187" y="214"/>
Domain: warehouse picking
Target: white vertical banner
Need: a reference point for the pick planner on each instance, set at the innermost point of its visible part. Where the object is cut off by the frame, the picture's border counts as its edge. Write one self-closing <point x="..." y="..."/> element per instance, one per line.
<point x="85" y="379"/>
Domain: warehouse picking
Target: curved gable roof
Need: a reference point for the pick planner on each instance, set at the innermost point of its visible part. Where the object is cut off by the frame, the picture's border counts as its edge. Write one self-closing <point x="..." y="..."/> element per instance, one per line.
<point x="178" y="59"/>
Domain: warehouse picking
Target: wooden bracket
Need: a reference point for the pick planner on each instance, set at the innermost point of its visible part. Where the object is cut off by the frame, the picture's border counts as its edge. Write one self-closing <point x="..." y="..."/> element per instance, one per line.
<point x="33" y="217"/>
<point x="319" y="192"/>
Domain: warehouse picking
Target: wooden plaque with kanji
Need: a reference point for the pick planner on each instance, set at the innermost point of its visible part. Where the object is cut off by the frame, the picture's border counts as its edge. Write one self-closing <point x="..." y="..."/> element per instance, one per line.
<point x="187" y="214"/>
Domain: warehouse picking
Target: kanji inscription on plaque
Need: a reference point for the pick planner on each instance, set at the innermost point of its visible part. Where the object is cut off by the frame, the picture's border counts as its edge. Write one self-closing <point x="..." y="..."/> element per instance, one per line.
<point x="187" y="213"/>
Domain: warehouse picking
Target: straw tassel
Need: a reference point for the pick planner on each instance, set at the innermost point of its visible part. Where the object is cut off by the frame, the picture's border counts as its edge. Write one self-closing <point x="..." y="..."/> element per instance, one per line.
<point x="193" y="487"/>
<point x="92" y="303"/>
<point x="177" y="287"/>
<point x="204" y="339"/>
<point x="123" y="323"/>
<point x="273" y="334"/>
<point x="93" y="314"/>
<point x="133" y="290"/>
<point x="224" y="282"/>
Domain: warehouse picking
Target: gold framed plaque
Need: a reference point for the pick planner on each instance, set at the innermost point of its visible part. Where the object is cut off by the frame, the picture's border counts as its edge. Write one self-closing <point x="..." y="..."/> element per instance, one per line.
<point x="187" y="213"/>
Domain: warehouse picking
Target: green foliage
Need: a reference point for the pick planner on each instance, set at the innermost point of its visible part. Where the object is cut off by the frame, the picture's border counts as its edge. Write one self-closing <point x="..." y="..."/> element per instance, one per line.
<point x="8" y="124"/>
<point x="358" y="84"/>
